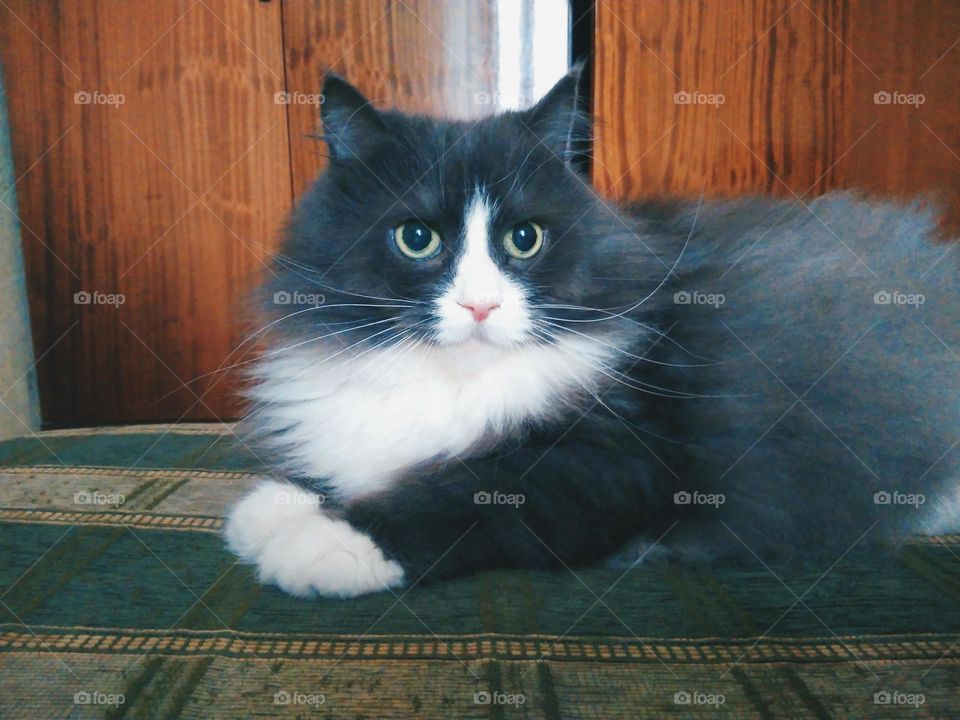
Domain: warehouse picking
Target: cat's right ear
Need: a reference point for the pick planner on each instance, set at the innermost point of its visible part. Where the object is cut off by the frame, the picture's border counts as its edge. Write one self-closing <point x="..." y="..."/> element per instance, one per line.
<point x="560" y="120"/>
<point x="351" y="124"/>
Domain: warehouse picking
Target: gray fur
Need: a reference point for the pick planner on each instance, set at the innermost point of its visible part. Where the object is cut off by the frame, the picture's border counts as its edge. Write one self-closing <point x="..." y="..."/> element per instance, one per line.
<point x="879" y="383"/>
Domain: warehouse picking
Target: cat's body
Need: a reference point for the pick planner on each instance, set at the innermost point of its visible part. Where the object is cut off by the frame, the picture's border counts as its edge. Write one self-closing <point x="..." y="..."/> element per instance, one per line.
<point x="719" y="375"/>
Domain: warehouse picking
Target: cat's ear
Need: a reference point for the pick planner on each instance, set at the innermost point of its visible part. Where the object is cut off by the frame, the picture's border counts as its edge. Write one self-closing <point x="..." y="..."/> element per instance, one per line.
<point x="351" y="124"/>
<point x="560" y="120"/>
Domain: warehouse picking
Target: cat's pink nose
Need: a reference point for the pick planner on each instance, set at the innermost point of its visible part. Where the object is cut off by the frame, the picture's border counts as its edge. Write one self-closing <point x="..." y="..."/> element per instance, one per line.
<point x="480" y="311"/>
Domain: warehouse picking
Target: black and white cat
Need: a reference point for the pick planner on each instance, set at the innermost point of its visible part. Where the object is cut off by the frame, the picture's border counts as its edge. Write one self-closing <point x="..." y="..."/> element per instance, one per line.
<point x="476" y="362"/>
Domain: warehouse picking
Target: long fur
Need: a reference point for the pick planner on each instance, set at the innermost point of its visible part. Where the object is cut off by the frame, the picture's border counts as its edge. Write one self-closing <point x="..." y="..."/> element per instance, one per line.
<point x="749" y="376"/>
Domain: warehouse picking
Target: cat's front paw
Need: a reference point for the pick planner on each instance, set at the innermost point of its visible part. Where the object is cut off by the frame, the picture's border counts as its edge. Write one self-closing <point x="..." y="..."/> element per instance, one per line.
<point x="295" y="545"/>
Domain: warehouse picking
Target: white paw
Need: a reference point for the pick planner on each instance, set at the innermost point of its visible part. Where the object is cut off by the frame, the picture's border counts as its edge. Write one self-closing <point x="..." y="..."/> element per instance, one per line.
<point x="301" y="549"/>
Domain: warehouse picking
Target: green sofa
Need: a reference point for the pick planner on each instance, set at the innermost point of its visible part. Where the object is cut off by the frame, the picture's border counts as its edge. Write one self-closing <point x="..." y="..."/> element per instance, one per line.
<point x="118" y="599"/>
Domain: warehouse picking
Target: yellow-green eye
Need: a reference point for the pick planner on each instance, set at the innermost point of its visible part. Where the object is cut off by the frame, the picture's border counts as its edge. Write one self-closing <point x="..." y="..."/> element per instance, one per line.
<point x="416" y="240"/>
<point x="524" y="240"/>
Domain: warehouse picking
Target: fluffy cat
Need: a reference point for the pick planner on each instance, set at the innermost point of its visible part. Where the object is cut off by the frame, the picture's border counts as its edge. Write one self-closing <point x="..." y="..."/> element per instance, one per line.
<point x="473" y="361"/>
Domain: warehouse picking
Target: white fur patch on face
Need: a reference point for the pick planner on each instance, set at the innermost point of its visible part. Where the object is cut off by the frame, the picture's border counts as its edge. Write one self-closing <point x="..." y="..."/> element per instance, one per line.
<point x="359" y="424"/>
<point x="479" y="283"/>
<point x="283" y="531"/>
<point x="359" y="421"/>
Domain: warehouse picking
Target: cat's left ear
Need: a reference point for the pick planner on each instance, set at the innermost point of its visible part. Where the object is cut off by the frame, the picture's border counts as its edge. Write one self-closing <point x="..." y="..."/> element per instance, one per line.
<point x="560" y="120"/>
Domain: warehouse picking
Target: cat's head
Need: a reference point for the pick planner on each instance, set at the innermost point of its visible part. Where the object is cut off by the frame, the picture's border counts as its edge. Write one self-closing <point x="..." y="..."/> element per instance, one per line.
<point x="453" y="232"/>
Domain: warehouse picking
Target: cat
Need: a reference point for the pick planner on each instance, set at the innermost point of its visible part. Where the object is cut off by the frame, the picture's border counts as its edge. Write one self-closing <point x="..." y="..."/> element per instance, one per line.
<point x="473" y="361"/>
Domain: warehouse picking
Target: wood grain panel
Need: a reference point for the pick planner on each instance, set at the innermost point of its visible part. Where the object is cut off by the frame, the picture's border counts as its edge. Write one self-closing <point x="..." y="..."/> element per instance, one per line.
<point x="172" y="198"/>
<point x="910" y="47"/>
<point x="422" y="56"/>
<point x="797" y="80"/>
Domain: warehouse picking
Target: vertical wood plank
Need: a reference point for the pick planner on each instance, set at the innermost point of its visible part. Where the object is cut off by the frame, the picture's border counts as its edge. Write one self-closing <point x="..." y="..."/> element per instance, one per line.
<point x="797" y="82"/>
<point x="172" y="198"/>
<point x="909" y="47"/>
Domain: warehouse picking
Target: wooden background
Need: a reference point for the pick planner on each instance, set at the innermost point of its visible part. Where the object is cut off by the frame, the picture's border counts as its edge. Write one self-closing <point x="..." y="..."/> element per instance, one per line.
<point x="422" y="56"/>
<point x="175" y="197"/>
<point x="172" y="198"/>
<point x="798" y="79"/>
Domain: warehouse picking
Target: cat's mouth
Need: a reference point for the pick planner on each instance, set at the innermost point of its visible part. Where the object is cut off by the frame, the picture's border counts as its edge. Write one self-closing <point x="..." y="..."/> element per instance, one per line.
<point x="480" y="334"/>
<point x="480" y="331"/>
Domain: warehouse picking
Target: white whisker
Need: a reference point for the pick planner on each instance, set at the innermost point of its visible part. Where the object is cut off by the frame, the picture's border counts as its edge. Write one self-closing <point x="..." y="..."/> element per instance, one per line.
<point x="666" y="277"/>
<point x="626" y="352"/>
<point x="651" y="329"/>
<point x="627" y="425"/>
<point x="277" y="351"/>
<point x="264" y="404"/>
<point x="601" y="367"/>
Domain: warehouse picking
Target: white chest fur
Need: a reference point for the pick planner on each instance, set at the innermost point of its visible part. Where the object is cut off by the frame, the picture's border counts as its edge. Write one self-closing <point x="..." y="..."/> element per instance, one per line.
<point x="360" y="423"/>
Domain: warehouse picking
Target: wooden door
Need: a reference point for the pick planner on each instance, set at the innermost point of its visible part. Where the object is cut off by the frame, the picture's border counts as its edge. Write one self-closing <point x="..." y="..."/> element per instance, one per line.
<point x="778" y="97"/>
<point x="153" y="173"/>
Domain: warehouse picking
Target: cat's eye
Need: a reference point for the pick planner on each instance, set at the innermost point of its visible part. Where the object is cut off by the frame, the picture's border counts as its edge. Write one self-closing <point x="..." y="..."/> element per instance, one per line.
<point x="524" y="240"/>
<point x="416" y="240"/>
